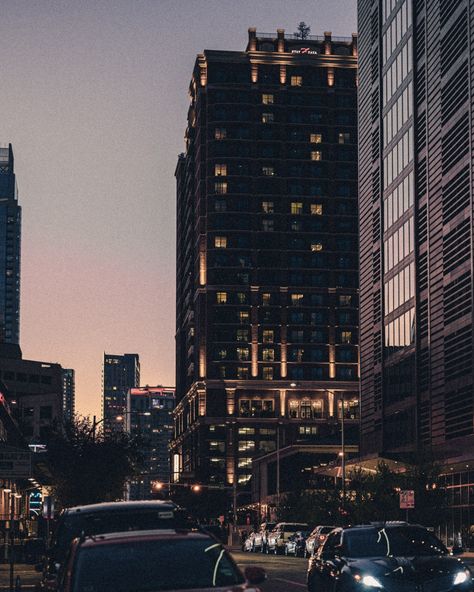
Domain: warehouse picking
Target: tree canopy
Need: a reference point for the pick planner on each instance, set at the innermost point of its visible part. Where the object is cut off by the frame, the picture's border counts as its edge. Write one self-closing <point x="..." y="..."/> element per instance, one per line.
<point x="303" y="30"/>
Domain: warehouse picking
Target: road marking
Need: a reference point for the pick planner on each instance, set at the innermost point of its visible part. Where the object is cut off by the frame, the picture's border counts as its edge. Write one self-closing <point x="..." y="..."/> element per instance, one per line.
<point x="290" y="582"/>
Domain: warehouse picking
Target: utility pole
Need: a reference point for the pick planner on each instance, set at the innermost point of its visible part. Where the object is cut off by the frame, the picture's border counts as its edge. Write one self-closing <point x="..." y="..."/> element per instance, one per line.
<point x="12" y="540"/>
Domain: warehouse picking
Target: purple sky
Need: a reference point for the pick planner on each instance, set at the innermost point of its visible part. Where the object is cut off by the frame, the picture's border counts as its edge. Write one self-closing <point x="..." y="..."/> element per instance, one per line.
<point x="94" y="101"/>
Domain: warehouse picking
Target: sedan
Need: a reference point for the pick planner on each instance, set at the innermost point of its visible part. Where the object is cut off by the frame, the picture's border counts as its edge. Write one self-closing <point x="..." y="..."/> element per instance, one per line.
<point x="388" y="557"/>
<point x="152" y="561"/>
<point x="296" y="544"/>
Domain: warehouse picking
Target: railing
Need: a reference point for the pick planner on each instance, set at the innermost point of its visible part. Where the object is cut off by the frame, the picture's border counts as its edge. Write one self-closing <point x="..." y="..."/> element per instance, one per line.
<point x="295" y="37"/>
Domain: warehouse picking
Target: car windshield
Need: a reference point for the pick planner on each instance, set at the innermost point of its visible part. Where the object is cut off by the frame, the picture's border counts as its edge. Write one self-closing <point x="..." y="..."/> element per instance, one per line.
<point x="117" y="521"/>
<point x="292" y="527"/>
<point x="152" y="566"/>
<point x="326" y="529"/>
<point x="398" y="542"/>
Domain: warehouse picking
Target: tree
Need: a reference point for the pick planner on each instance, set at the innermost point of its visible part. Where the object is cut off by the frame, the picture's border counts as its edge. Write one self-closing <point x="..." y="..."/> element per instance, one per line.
<point x="87" y="467"/>
<point x="303" y="30"/>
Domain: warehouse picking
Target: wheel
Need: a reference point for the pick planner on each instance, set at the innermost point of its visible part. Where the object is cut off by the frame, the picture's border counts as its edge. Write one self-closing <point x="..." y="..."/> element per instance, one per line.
<point x="286" y="551"/>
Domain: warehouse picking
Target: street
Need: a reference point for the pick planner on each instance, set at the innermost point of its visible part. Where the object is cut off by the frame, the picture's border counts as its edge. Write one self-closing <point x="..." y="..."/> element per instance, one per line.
<point x="285" y="574"/>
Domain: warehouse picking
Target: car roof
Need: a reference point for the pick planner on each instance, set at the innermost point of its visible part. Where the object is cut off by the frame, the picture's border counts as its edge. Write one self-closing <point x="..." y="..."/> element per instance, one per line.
<point x="123" y="506"/>
<point x="115" y="538"/>
<point x="385" y="525"/>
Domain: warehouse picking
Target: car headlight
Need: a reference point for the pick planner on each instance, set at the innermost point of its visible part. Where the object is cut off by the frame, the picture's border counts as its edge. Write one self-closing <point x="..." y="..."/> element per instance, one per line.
<point x="461" y="576"/>
<point x="368" y="581"/>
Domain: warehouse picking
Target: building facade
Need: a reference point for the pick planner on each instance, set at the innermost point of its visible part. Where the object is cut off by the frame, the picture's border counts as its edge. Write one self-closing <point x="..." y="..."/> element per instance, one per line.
<point x="69" y="393"/>
<point x="119" y="373"/>
<point x="10" y="247"/>
<point x="150" y="416"/>
<point x="267" y="240"/>
<point x="416" y="225"/>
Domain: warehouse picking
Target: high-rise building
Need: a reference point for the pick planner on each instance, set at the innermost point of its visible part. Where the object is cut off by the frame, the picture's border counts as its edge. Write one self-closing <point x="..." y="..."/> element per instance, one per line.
<point x="10" y="239"/>
<point x="120" y="373"/>
<point x="69" y="393"/>
<point x="267" y="254"/>
<point x="416" y="222"/>
<point x="150" y="416"/>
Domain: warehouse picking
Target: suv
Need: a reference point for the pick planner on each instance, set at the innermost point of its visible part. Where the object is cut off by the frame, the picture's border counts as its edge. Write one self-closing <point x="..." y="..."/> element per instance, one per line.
<point x="280" y="535"/>
<point x="153" y="560"/>
<point x="107" y="517"/>
<point x="316" y="539"/>
<point x="260" y="538"/>
<point x="389" y="556"/>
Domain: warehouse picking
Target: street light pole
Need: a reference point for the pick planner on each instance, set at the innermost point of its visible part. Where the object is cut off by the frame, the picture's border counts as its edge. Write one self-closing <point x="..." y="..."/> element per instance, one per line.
<point x="343" y="451"/>
<point x="278" y="470"/>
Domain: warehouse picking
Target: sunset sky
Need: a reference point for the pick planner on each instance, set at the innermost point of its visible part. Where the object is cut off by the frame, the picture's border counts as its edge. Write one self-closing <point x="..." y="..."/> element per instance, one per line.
<point x="94" y="101"/>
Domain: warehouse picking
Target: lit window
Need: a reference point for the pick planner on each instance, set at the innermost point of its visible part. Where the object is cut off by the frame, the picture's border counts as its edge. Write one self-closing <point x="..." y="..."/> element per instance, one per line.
<point x="344" y="138"/>
<point x="242" y="335"/>
<point x="268" y="118"/>
<point x="222" y="371"/>
<point x="266" y="298"/>
<point x="316" y="209"/>
<point x="243" y="353"/>
<point x="294" y="409"/>
<point x="268" y="354"/>
<point x="220" y="170"/>
<point x="298" y="354"/>
<point x="220" y="187"/>
<point x="315" y="138"/>
<point x="268" y="171"/>
<point x="220" y="133"/>
<point x="297" y="299"/>
<point x="316" y="155"/>
<point x="220" y="242"/>
<point x="267" y="99"/>
<point x="245" y="463"/>
<point x="346" y="336"/>
<point x="243" y="479"/>
<point x="242" y="372"/>
<point x="246" y="445"/>
<point x="316" y="246"/>
<point x="241" y="297"/>
<point x="268" y="336"/>
<point x="296" y="207"/>
<point x="296" y="81"/>
<point x="243" y="316"/>
<point x="268" y="207"/>
<point x="247" y="431"/>
<point x="267" y="373"/>
<point x="222" y="354"/>
<point x="345" y="300"/>
<point x="221" y="297"/>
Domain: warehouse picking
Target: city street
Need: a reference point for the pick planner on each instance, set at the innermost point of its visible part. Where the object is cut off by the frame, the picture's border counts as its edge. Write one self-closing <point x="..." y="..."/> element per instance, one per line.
<point x="285" y="574"/>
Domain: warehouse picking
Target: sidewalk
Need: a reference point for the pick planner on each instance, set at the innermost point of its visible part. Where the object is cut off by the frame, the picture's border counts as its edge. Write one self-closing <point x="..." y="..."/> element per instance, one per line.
<point x="28" y="575"/>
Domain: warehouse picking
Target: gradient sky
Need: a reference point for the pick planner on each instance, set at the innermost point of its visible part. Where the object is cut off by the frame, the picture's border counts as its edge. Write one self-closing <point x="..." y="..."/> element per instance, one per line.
<point x="94" y="101"/>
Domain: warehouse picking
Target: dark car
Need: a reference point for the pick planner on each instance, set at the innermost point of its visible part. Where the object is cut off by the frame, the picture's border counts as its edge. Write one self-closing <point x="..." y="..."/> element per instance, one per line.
<point x="107" y="517"/>
<point x="152" y="561"/>
<point x="390" y="557"/>
<point x="316" y="539"/>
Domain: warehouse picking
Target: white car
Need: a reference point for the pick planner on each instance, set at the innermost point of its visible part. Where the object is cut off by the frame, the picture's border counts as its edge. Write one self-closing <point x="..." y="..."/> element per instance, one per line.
<point x="279" y="536"/>
<point x="261" y="536"/>
<point x="316" y="539"/>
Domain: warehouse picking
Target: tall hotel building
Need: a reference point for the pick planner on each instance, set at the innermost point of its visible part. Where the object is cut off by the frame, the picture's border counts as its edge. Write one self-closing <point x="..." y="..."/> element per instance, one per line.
<point x="120" y="373"/>
<point x="267" y="254"/>
<point x="416" y="222"/>
<point x="10" y="239"/>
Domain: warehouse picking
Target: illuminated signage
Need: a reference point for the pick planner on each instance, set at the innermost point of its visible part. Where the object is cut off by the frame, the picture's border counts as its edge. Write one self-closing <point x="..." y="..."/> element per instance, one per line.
<point x="305" y="51"/>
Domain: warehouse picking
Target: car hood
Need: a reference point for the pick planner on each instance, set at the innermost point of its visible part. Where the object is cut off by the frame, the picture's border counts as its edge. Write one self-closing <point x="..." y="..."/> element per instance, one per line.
<point x="238" y="588"/>
<point x="424" y="568"/>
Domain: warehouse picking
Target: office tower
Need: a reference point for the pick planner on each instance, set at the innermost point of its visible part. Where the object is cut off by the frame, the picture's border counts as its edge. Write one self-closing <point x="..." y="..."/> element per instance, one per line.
<point x="120" y="373"/>
<point x="150" y="416"/>
<point x="10" y="239"/>
<point x="416" y="224"/>
<point x="267" y="300"/>
<point x="69" y="393"/>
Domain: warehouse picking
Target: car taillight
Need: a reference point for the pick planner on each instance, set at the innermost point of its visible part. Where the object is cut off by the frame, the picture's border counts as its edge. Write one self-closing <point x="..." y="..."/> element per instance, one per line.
<point x="322" y="537"/>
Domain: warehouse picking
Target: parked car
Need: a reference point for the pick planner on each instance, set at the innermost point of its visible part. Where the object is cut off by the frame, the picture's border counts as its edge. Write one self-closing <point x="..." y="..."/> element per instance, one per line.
<point x="296" y="543"/>
<point x="249" y="543"/>
<point x="391" y="556"/>
<point x="261" y="536"/>
<point x="281" y="533"/>
<point x="316" y="539"/>
<point x="153" y="560"/>
<point x="107" y="517"/>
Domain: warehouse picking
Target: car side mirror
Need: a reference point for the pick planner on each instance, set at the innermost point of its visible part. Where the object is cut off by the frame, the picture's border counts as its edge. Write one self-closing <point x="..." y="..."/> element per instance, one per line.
<point x="457" y="550"/>
<point x="255" y="575"/>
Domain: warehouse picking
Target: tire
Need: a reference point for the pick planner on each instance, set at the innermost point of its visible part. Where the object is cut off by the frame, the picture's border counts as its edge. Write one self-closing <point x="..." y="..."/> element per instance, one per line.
<point x="286" y="551"/>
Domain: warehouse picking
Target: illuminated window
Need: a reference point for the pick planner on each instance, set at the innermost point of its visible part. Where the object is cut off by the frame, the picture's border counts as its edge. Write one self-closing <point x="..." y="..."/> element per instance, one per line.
<point x="316" y="246"/>
<point x="268" y="354"/>
<point x="243" y="479"/>
<point x="268" y="336"/>
<point x="266" y="298"/>
<point x="241" y="297"/>
<point x="296" y="81"/>
<point x="221" y="297"/>
<point x="346" y="336"/>
<point x="222" y="354"/>
<point x="298" y="354"/>
<point x="296" y="207"/>
<point x="268" y="207"/>
<point x="245" y="463"/>
<point x="222" y="371"/>
<point x="243" y="353"/>
<point x="243" y="316"/>
<point x="268" y="118"/>
<point x="246" y="445"/>
<point x="297" y="299"/>
<point x="344" y="138"/>
<point x="220" y="170"/>
<point x="267" y="99"/>
<point x="220" y="242"/>
<point x="242" y="373"/>
<point x="315" y="138"/>
<point x="267" y="373"/>
<point x="220" y="133"/>
<point x="220" y="187"/>
<point x="316" y="155"/>
<point x="268" y="171"/>
<point x="316" y="209"/>
<point x="294" y="409"/>
<point x="242" y="335"/>
<point x="345" y="300"/>
<point x="246" y="431"/>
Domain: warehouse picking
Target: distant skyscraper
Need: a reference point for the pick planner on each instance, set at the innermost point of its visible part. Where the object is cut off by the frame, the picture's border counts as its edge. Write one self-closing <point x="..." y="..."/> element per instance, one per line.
<point x="267" y="265"/>
<point x="120" y="373"/>
<point x="150" y="416"/>
<point x="69" y="393"/>
<point x="10" y="238"/>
